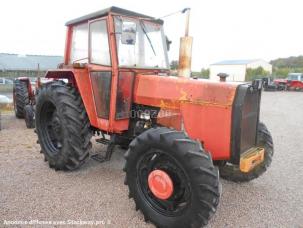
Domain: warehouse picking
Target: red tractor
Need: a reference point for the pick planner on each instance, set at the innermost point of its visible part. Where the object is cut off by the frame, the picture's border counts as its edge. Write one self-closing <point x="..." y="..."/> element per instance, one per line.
<point x="24" y="100"/>
<point x="24" y="93"/>
<point x="181" y="133"/>
<point x="294" y="81"/>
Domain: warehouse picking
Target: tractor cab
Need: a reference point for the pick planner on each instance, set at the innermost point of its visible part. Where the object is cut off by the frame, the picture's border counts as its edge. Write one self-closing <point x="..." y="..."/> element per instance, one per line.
<point x="116" y="38"/>
<point x="104" y="51"/>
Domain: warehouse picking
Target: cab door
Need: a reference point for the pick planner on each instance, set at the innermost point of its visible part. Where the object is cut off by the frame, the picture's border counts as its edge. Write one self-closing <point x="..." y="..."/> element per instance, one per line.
<point x="100" y="70"/>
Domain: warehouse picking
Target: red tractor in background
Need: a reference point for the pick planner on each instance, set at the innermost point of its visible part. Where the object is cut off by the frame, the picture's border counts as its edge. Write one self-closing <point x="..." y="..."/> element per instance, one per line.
<point x="181" y="133"/>
<point x="294" y="81"/>
<point x="24" y="92"/>
<point x="24" y="100"/>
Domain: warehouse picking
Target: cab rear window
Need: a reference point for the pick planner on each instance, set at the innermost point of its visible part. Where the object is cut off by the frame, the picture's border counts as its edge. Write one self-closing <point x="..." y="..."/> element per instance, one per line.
<point x="79" y="45"/>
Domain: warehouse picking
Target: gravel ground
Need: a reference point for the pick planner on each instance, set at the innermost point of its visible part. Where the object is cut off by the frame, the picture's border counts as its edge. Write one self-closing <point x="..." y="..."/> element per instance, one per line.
<point x="29" y="190"/>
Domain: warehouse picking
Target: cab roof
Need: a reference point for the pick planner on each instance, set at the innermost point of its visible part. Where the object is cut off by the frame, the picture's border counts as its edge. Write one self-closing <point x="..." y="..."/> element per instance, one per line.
<point x="105" y="12"/>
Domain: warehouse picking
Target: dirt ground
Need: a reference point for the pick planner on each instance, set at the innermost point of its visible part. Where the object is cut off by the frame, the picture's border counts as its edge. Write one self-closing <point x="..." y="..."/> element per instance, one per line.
<point x="30" y="190"/>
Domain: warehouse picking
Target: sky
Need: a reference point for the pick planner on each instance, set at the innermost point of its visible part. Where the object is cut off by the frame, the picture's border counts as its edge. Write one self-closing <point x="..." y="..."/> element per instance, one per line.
<point x="221" y="29"/>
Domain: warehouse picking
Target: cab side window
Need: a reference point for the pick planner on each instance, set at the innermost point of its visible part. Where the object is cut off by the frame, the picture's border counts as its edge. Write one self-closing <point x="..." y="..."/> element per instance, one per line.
<point x="99" y="45"/>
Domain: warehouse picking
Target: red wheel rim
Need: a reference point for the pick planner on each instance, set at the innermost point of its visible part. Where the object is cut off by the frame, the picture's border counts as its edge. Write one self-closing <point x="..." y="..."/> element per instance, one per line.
<point x="160" y="184"/>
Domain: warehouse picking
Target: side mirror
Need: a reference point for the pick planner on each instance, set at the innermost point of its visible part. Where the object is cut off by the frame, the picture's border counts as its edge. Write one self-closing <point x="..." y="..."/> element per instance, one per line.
<point x="129" y="32"/>
<point x="168" y="43"/>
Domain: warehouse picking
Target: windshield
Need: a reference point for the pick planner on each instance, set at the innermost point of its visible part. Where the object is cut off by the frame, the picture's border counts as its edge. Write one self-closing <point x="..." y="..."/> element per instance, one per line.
<point x="149" y="48"/>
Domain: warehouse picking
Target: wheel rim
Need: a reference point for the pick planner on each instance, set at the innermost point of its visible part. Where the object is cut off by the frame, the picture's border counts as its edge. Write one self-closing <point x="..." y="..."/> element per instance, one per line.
<point x="160" y="184"/>
<point x="174" y="203"/>
<point x="51" y="128"/>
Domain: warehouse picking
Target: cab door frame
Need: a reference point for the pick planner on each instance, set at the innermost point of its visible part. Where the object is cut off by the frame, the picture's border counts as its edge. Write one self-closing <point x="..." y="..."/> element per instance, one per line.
<point x="110" y="124"/>
<point x="96" y="73"/>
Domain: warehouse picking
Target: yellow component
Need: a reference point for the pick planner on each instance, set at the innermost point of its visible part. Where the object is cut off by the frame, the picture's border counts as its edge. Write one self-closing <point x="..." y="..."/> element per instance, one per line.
<point x="251" y="158"/>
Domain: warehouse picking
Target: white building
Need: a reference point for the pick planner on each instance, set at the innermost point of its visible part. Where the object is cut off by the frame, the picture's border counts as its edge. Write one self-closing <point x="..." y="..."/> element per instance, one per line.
<point x="236" y="69"/>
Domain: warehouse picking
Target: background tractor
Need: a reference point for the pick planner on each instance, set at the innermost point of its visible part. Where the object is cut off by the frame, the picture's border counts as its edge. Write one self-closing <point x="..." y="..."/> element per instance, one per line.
<point x="181" y="133"/>
<point x="24" y="100"/>
<point x="25" y="91"/>
<point x="294" y="81"/>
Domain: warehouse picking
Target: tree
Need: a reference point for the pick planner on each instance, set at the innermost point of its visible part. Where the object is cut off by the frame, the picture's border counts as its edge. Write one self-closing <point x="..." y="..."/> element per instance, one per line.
<point x="174" y="64"/>
<point x="283" y="66"/>
<point x="257" y="73"/>
<point x="290" y="62"/>
<point x="205" y="73"/>
<point x="280" y="72"/>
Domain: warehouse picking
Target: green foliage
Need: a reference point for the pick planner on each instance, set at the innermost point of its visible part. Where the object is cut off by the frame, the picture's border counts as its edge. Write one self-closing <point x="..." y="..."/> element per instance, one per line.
<point x="257" y="73"/>
<point x="174" y="65"/>
<point x="284" y="71"/>
<point x="283" y="66"/>
<point x="290" y="62"/>
<point x="280" y="72"/>
<point x="195" y="74"/>
<point x="204" y="73"/>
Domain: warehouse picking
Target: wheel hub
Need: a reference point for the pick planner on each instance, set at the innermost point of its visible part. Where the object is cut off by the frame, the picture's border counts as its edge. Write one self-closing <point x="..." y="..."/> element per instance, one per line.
<point x="160" y="184"/>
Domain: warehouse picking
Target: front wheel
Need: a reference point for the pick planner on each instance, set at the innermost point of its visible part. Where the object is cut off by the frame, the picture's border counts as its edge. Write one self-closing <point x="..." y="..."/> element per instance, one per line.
<point x="171" y="178"/>
<point x="232" y="172"/>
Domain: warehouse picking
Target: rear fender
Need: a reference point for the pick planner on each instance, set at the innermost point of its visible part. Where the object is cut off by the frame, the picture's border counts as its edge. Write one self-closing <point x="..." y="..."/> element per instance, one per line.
<point x="29" y="86"/>
<point x="79" y="78"/>
<point x="60" y="74"/>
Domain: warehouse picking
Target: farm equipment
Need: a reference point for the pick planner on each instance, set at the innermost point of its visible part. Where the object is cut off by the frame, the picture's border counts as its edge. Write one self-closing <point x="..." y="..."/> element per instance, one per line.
<point x="269" y="85"/>
<point x="294" y="82"/>
<point x="24" y="96"/>
<point x="181" y="132"/>
<point x="24" y="100"/>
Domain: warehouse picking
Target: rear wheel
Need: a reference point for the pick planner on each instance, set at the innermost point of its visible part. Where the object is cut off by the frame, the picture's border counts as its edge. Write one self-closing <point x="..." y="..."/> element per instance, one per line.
<point x="21" y="97"/>
<point x="232" y="172"/>
<point x="171" y="178"/>
<point x="62" y="126"/>
<point x="29" y="116"/>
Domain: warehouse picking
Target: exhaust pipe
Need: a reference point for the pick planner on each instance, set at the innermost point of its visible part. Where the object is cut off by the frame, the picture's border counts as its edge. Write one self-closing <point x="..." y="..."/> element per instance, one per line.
<point x="185" y="53"/>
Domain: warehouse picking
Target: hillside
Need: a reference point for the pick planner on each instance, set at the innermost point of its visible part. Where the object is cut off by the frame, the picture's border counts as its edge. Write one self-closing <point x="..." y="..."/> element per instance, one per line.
<point x="290" y="62"/>
<point x="283" y="66"/>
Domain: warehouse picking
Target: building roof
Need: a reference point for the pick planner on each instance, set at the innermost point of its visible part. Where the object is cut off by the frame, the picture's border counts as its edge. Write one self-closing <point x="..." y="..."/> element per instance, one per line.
<point x="28" y="62"/>
<point x="112" y="9"/>
<point x="236" y="62"/>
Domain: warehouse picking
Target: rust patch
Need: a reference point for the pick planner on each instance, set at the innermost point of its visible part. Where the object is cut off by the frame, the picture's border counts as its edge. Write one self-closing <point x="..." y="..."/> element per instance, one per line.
<point x="183" y="96"/>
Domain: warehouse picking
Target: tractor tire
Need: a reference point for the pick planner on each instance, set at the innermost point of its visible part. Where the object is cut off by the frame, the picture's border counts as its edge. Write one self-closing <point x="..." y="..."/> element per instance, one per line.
<point x="62" y="126"/>
<point x="29" y="116"/>
<point x="196" y="187"/>
<point x="21" y="97"/>
<point x="232" y="172"/>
